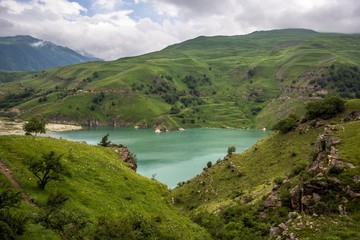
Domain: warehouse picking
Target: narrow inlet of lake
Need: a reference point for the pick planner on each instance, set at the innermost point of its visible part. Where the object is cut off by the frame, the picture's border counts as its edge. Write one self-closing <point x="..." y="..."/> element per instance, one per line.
<point x="175" y="156"/>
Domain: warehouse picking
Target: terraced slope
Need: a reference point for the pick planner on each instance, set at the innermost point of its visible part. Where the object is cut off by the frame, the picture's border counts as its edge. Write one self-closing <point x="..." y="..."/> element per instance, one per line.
<point x="228" y="81"/>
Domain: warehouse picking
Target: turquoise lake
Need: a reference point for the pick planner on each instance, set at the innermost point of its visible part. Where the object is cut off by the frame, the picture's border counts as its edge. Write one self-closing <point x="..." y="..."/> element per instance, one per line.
<point x="175" y="156"/>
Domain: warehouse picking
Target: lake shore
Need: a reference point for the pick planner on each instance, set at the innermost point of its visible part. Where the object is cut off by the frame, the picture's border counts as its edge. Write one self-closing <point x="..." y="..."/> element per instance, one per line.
<point x="8" y="127"/>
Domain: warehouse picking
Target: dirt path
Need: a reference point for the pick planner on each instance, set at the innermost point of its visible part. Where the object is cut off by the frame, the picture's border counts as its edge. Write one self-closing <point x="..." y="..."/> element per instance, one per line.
<point x="8" y="174"/>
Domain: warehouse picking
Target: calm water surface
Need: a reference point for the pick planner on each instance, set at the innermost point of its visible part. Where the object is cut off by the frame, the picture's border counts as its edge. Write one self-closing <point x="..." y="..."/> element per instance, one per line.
<point x="173" y="156"/>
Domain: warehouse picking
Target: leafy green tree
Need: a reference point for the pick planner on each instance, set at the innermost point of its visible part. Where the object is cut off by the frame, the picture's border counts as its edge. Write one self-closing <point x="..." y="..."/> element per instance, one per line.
<point x="231" y="150"/>
<point x="48" y="168"/>
<point x="35" y="125"/>
<point x="105" y="142"/>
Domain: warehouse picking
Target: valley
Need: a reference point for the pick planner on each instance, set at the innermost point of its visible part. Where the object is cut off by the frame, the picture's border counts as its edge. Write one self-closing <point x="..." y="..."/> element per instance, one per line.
<point x="301" y="181"/>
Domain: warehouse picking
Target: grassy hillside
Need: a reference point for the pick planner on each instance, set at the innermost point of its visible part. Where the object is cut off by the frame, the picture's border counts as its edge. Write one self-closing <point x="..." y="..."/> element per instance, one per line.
<point x="106" y="199"/>
<point x="207" y="81"/>
<point x="254" y="195"/>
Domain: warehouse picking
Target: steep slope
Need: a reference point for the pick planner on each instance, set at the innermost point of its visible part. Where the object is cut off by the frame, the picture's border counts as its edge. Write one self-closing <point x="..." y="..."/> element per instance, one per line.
<point x="235" y="81"/>
<point x="20" y="53"/>
<point x="102" y="198"/>
<point x="302" y="184"/>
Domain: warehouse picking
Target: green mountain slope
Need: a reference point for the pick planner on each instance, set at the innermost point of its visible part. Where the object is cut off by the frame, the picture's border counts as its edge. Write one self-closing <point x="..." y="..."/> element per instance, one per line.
<point x="20" y="53"/>
<point x="221" y="81"/>
<point x="106" y="199"/>
<point x="301" y="184"/>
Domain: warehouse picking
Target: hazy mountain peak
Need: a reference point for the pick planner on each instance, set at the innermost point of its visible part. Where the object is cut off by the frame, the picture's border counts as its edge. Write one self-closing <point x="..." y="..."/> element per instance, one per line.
<point x="24" y="52"/>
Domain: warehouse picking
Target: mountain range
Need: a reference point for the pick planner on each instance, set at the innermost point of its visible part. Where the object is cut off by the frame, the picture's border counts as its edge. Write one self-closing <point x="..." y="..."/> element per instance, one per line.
<point x="20" y="53"/>
<point x="223" y="81"/>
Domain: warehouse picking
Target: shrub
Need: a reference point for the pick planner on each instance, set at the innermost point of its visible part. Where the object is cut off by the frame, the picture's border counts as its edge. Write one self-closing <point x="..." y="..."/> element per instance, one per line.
<point x="11" y="224"/>
<point x="231" y="150"/>
<point x="325" y="108"/>
<point x="335" y="170"/>
<point x="287" y="124"/>
<point x="174" y="110"/>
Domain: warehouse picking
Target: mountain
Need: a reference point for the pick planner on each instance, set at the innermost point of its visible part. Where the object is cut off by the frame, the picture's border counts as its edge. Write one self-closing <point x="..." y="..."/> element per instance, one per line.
<point x="21" y="53"/>
<point x="223" y="81"/>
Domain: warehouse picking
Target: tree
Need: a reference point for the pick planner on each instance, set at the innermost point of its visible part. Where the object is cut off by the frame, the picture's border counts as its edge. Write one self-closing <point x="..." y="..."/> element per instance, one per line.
<point x="231" y="150"/>
<point x="35" y="125"/>
<point x="48" y="168"/>
<point x="105" y="142"/>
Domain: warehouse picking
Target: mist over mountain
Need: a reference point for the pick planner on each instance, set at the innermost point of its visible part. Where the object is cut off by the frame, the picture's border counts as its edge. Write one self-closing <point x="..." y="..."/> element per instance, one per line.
<point x="21" y="53"/>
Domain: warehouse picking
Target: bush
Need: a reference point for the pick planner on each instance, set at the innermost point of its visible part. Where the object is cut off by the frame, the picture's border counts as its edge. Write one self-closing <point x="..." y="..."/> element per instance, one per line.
<point x="11" y="225"/>
<point x="325" y="108"/>
<point x="231" y="150"/>
<point x="174" y="110"/>
<point x="287" y="124"/>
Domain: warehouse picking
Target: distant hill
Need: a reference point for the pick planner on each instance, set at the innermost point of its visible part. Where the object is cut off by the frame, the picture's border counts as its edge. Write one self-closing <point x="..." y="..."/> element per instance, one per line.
<point x="21" y="53"/>
<point x="243" y="81"/>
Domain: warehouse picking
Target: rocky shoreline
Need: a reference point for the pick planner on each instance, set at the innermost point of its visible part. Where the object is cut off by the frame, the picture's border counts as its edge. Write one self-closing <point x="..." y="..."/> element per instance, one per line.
<point x="8" y="127"/>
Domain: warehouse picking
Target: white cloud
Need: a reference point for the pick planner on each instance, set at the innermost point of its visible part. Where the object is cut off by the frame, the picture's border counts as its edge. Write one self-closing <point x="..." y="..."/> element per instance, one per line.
<point x="107" y="5"/>
<point x="110" y="32"/>
<point x="61" y="7"/>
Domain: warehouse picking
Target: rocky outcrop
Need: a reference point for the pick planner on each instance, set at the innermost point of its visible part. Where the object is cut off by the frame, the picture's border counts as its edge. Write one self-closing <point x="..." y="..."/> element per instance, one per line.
<point x="127" y="156"/>
<point x="306" y="197"/>
<point x="353" y="116"/>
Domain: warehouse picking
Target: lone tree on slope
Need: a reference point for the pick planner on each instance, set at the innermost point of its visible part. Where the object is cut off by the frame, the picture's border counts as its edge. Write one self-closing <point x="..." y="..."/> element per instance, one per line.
<point x="105" y="142"/>
<point x="48" y="168"/>
<point x="231" y="150"/>
<point x="35" y="125"/>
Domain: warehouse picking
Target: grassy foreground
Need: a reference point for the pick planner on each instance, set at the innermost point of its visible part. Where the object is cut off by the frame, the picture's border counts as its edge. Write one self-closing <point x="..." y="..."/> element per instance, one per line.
<point x="106" y="199"/>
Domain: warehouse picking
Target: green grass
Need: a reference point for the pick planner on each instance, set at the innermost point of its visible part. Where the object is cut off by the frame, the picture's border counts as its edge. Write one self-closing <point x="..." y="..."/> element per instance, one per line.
<point x="281" y="58"/>
<point x="250" y="174"/>
<point x="238" y="185"/>
<point x="101" y="185"/>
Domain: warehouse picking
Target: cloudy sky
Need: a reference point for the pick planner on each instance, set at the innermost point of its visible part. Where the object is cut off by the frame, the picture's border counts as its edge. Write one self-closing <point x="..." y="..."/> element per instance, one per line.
<point x="116" y="28"/>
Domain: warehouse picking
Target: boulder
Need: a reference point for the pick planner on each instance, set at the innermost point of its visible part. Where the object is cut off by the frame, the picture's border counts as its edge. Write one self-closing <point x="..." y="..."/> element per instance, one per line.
<point x="295" y="195"/>
<point x="271" y="201"/>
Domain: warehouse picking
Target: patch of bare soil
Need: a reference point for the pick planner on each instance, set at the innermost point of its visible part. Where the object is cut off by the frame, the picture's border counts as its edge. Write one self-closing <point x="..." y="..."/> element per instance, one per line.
<point x="8" y="174"/>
